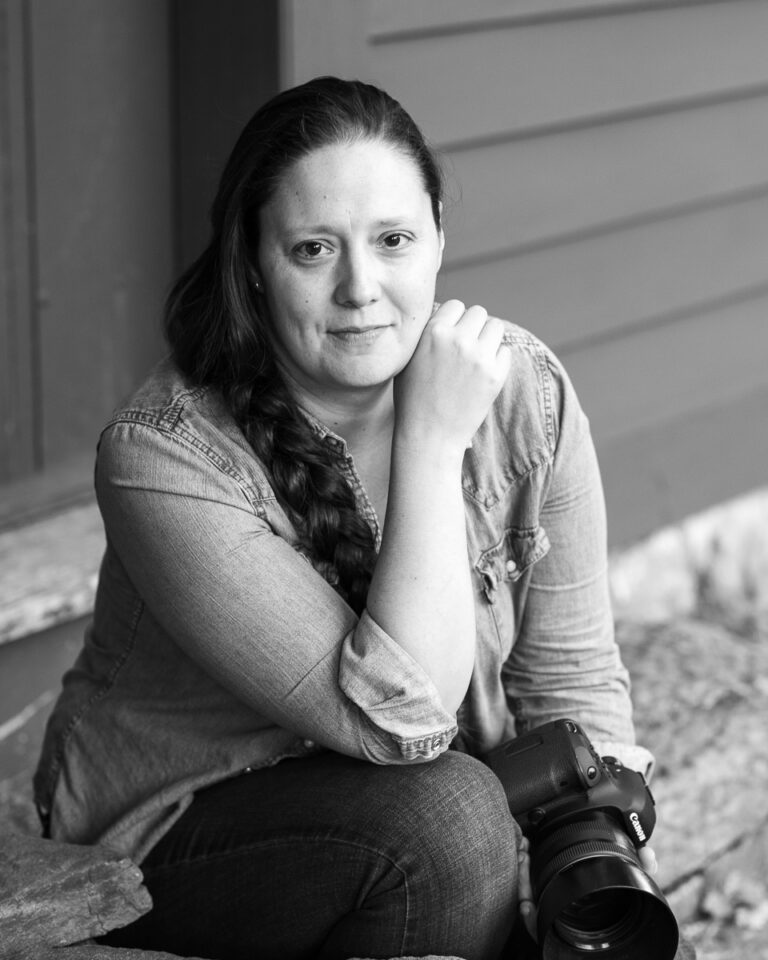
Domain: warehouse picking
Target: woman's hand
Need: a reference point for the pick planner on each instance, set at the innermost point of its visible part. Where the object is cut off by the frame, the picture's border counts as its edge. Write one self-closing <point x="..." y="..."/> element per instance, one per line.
<point x="525" y="901"/>
<point x="648" y="860"/>
<point x="457" y="370"/>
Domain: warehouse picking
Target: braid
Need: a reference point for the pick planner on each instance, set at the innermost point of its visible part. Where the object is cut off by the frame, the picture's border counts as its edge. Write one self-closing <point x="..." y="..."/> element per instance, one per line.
<point x="217" y="325"/>
<point x="309" y="485"/>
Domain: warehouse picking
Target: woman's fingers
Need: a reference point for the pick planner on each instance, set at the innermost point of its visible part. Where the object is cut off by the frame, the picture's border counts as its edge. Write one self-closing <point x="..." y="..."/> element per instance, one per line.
<point x="472" y="328"/>
<point x="647" y="857"/>
<point x="454" y="375"/>
<point x="472" y="324"/>
<point x="526" y="904"/>
<point x="448" y="313"/>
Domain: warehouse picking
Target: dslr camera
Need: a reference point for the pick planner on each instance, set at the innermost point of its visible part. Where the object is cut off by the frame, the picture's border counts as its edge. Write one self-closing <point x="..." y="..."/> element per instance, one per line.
<point x="586" y="817"/>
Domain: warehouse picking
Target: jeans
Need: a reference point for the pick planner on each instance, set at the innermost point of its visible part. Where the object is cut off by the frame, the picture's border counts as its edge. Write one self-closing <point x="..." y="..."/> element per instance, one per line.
<point x="330" y="857"/>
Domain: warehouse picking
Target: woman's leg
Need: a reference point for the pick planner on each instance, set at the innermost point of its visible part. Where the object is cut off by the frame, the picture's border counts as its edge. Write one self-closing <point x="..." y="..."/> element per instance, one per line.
<point x="329" y="857"/>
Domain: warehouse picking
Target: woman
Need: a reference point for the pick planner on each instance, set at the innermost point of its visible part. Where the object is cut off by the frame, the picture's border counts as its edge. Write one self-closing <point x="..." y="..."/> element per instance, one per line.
<point x="347" y="529"/>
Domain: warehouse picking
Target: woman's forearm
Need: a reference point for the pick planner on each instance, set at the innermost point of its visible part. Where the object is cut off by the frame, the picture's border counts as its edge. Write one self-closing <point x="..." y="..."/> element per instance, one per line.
<point x="421" y="592"/>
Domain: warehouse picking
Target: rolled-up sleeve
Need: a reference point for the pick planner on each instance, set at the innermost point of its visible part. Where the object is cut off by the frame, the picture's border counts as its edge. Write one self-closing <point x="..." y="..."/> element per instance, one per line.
<point x="394" y="692"/>
<point x="565" y="662"/>
<point x="245" y="605"/>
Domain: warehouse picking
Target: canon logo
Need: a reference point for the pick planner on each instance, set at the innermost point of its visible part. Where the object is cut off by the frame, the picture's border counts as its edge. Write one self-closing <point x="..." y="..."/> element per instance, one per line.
<point x="638" y="829"/>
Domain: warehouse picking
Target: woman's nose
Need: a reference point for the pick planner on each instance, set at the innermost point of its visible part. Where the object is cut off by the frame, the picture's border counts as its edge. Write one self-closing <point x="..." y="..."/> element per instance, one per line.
<point x="358" y="282"/>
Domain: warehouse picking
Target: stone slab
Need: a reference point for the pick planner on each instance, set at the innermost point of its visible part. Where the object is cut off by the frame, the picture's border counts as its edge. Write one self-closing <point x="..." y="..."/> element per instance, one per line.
<point x="54" y="894"/>
<point x="48" y="571"/>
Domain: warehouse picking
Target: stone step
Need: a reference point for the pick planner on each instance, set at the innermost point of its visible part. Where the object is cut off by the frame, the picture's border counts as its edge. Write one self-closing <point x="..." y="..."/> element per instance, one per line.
<point x="53" y="895"/>
<point x="700" y="689"/>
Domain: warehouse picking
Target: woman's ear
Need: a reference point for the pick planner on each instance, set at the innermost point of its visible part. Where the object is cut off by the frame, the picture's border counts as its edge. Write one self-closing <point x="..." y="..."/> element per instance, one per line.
<point x="441" y="237"/>
<point x="254" y="277"/>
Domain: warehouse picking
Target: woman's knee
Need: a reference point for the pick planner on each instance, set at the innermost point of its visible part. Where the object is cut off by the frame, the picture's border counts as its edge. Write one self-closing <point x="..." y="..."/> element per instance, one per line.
<point x="458" y="826"/>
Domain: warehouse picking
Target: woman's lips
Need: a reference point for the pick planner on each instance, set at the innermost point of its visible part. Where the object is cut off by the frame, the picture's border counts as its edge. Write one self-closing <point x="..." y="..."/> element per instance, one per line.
<point x="358" y="334"/>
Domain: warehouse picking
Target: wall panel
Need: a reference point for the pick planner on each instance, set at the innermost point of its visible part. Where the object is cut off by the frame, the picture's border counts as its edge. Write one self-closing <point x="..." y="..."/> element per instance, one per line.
<point x="18" y="449"/>
<point x="491" y="84"/>
<point x="608" y="172"/>
<point x="390" y="19"/>
<point x="235" y="40"/>
<point x="598" y="284"/>
<point x="550" y="188"/>
<point x="104" y="204"/>
<point x="670" y="470"/>
<point x="703" y="361"/>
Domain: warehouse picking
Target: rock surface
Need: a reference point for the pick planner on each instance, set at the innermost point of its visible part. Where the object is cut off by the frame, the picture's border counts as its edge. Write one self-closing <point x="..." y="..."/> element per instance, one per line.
<point x="54" y="897"/>
<point x="700" y="687"/>
<point x="56" y="894"/>
<point x="86" y="951"/>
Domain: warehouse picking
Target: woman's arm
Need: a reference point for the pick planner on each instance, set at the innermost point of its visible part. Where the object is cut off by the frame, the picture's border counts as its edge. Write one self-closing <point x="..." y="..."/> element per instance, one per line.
<point x="235" y="595"/>
<point x="212" y="560"/>
<point x="421" y="591"/>
<point x="565" y="661"/>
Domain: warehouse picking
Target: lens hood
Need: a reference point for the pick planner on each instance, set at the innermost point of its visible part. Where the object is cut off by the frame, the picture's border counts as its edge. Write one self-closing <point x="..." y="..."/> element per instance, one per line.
<point x="646" y="926"/>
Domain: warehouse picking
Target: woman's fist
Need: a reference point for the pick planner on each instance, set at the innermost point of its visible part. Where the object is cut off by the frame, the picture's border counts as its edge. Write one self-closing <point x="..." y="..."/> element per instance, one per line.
<point x="457" y="370"/>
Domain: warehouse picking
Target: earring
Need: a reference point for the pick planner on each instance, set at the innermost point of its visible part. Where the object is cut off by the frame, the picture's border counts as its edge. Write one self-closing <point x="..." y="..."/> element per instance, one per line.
<point x="257" y="285"/>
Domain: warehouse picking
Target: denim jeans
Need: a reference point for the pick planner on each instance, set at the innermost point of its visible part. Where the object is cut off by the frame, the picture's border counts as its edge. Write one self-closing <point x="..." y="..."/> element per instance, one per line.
<point x="330" y="857"/>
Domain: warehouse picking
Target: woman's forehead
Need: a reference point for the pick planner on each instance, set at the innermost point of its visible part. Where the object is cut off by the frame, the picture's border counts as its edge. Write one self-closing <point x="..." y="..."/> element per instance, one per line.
<point x="367" y="176"/>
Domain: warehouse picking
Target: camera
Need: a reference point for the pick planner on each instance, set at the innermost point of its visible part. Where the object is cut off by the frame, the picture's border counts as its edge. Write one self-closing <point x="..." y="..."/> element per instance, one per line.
<point x="586" y="817"/>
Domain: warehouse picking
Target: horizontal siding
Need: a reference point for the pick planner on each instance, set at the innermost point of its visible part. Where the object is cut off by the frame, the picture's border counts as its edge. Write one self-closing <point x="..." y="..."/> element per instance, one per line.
<point x="391" y="20"/>
<point x="671" y="470"/>
<point x="549" y="187"/>
<point x="632" y="384"/>
<point x="607" y="172"/>
<point x="497" y="82"/>
<point x="624" y="278"/>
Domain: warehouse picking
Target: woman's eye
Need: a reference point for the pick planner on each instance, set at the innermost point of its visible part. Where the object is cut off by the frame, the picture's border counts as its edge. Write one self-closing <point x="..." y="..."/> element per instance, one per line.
<point x="395" y="241"/>
<point x="311" y="249"/>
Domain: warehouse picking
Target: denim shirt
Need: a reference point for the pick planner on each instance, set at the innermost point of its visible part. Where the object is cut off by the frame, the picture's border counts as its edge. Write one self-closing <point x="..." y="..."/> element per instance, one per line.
<point x="218" y="644"/>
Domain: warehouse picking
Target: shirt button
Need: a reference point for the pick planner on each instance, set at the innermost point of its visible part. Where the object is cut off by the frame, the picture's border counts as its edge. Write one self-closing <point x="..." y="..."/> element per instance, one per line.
<point x="511" y="566"/>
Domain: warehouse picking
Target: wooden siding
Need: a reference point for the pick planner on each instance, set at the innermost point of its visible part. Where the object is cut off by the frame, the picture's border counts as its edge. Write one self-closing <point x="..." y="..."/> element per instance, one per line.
<point x="607" y="168"/>
<point x="18" y="452"/>
<point x="226" y="66"/>
<point x="87" y="152"/>
<point x="101" y="116"/>
<point x="608" y="189"/>
<point x="112" y="138"/>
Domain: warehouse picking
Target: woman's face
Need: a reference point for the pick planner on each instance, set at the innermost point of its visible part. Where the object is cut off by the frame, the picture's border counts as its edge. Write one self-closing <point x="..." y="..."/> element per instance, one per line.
<point x="348" y="258"/>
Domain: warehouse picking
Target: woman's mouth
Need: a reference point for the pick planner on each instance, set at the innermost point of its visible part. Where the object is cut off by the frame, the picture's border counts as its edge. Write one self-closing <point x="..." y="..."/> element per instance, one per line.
<point x="360" y="335"/>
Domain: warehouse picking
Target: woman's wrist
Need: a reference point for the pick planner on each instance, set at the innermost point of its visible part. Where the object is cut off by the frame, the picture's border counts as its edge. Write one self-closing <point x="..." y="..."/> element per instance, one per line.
<point x="417" y="445"/>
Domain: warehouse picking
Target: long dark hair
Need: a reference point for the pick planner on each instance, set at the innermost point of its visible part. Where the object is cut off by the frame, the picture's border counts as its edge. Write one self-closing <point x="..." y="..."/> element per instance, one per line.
<point x="215" y="320"/>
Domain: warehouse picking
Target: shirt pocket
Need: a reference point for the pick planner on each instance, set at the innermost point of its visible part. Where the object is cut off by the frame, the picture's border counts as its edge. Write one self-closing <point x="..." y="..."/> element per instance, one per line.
<point x="502" y="570"/>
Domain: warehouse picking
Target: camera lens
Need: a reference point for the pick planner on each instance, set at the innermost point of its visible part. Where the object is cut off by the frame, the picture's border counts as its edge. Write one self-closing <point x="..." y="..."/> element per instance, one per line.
<point x="593" y="896"/>
<point x="600" y="921"/>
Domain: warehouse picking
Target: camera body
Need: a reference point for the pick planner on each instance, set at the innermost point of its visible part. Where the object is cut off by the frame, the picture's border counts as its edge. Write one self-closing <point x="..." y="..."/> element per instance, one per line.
<point x="586" y="817"/>
<point x="554" y="773"/>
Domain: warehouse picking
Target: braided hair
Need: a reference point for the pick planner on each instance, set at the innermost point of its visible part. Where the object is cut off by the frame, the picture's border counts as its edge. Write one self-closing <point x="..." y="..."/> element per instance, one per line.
<point x="215" y="319"/>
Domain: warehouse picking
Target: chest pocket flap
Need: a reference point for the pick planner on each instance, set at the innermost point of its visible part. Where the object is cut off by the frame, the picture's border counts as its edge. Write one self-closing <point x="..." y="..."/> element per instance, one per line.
<point x="510" y="558"/>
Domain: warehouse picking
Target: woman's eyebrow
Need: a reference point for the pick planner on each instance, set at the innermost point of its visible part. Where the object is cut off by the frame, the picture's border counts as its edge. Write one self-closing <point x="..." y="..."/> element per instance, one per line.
<point x="395" y="221"/>
<point x="307" y="229"/>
